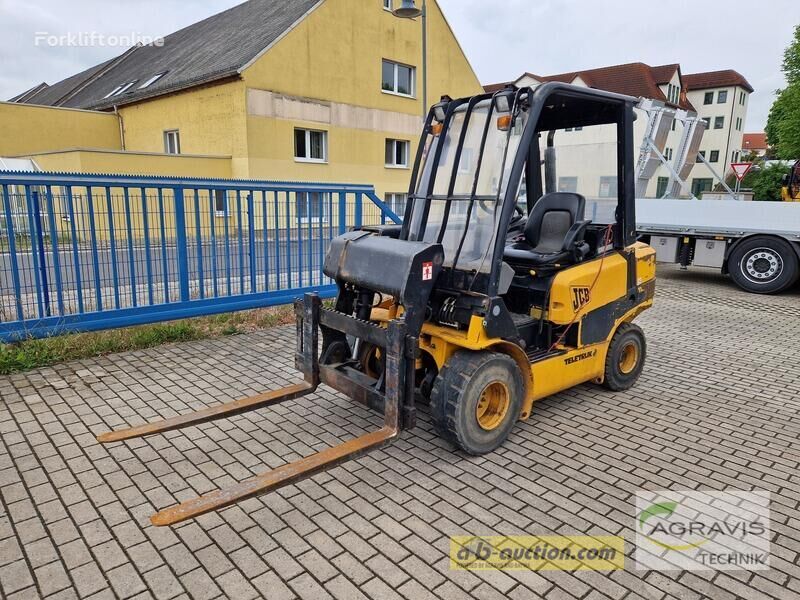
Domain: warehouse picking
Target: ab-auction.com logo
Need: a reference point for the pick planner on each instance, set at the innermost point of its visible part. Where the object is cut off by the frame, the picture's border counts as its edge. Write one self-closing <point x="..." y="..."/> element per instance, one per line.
<point x="702" y="530"/>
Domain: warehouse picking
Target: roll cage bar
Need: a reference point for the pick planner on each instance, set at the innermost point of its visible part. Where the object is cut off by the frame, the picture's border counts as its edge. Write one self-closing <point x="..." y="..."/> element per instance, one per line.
<point x="551" y="106"/>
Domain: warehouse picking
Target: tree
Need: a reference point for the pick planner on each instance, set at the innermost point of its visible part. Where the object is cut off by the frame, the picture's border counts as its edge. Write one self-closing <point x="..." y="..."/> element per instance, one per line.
<point x="767" y="182"/>
<point x="783" y="124"/>
<point x="791" y="59"/>
<point x="788" y="126"/>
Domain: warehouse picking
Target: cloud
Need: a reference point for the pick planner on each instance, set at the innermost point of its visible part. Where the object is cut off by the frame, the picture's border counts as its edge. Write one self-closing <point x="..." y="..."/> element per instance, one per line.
<point x="502" y="40"/>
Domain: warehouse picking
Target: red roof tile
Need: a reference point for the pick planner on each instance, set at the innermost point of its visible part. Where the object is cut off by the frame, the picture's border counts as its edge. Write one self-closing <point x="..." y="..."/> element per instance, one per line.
<point x="633" y="79"/>
<point x="754" y="141"/>
<point x="716" y="79"/>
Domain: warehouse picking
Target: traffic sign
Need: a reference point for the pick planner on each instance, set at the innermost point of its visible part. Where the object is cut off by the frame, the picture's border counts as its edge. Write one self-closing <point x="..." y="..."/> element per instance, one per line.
<point x="741" y="169"/>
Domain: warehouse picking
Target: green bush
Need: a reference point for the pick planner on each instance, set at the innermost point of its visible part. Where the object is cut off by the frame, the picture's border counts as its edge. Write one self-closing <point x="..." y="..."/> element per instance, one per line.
<point x="767" y="182"/>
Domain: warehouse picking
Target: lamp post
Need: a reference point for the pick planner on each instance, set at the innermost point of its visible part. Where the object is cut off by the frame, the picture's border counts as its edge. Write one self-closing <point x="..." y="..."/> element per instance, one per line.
<point x="408" y="10"/>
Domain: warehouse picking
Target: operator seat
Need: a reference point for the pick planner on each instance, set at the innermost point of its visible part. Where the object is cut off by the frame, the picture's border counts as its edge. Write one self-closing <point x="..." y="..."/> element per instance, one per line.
<point x="554" y="234"/>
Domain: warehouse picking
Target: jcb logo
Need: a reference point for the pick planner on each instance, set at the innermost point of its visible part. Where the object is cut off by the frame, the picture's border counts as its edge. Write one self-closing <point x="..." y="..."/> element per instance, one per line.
<point x="580" y="298"/>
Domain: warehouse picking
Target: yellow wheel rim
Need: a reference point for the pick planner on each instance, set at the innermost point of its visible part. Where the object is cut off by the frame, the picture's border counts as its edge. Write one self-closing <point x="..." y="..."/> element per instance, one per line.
<point x="493" y="406"/>
<point x="629" y="358"/>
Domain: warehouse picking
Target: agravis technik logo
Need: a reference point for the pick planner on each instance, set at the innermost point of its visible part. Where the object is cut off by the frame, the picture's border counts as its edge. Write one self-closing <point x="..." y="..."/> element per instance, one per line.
<point x="702" y="530"/>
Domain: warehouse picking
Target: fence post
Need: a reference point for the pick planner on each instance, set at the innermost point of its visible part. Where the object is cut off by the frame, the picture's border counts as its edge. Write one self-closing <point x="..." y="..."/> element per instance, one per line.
<point x="359" y="208"/>
<point x="342" y="212"/>
<point x="251" y="226"/>
<point x="37" y="216"/>
<point x="178" y="194"/>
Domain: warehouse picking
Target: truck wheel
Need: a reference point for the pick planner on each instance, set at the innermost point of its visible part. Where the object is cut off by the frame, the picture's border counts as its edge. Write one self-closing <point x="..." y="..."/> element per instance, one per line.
<point x="763" y="265"/>
<point x="625" y="359"/>
<point x="476" y="400"/>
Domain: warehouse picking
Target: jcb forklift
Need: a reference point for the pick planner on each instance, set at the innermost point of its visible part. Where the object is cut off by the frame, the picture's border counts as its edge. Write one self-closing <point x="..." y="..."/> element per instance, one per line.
<point x="790" y="190"/>
<point x="478" y="304"/>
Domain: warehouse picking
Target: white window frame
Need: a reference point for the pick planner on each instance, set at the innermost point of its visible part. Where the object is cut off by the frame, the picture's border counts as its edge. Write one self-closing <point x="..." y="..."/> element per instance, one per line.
<point x="391" y="200"/>
<point x="706" y="97"/>
<point x="176" y="135"/>
<point x="307" y="158"/>
<point x="152" y="80"/>
<point x="719" y="97"/>
<point x="407" y="145"/>
<point x="711" y="157"/>
<point x="717" y="120"/>
<point x="388" y="5"/>
<point x="393" y="91"/>
<point x="121" y="89"/>
<point x="324" y="199"/>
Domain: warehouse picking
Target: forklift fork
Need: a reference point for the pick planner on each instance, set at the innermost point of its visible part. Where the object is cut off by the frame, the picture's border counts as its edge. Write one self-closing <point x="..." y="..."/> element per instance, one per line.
<point x="310" y="318"/>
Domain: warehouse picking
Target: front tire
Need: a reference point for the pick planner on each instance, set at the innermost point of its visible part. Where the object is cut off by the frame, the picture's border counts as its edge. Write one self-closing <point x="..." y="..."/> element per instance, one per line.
<point x="626" y="357"/>
<point x="764" y="265"/>
<point x="476" y="400"/>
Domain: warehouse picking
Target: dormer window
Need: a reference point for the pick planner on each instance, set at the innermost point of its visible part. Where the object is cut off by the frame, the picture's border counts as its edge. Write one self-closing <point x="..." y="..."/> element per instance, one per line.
<point x="152" y="80"/>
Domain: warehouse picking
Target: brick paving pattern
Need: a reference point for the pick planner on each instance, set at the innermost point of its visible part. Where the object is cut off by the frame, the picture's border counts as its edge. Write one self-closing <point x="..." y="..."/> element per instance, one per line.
<point x="718" y="406"/>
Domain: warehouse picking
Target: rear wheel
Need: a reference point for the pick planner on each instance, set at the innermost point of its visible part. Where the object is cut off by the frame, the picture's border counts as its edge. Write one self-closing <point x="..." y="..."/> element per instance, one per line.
<point x="476" y="400"/>
<point x="764" y="265"/>
<point x="625" y="359"/>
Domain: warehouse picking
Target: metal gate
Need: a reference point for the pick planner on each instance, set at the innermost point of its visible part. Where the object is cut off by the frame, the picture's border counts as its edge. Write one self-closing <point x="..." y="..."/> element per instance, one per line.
<point x="88" y="252"/>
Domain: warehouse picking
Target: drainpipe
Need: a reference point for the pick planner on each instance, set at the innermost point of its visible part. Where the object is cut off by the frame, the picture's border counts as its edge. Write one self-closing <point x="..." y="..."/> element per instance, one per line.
<point x="121" y="127"/>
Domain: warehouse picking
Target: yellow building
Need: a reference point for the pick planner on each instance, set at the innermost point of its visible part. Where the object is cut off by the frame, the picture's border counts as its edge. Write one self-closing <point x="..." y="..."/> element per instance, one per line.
<point x="302" y="90"/>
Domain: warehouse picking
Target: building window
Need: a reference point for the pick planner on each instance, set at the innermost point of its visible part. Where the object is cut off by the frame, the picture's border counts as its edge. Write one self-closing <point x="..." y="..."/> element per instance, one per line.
<point x="387" y="5"/>
<point x="714" y="156"/>
<point x="734" y="156"/>
<point x="673" y="124"/>
<point x="707" y="121"/>
<point x="702" y="153"/>
<point x="608" y="187"/>
<point x="668" y="154"/>
<point x="152" y="80"/>
<point x="708" y="98"/>
<point x="312" y="207"/>
<point x="398" y="79"/>
<point x="741" y="98"/>
<point x="722" y="97"/>
<point x="397" y="152"/>
<point x="220" y="203"/>
<point x="568" y="184"/>
<point x="673" y="93"/>
<point x="172" y="142"/>
<point x="661" y="187"/>
<point x="121" y="89"/>
<point x="701" y="185"/>
<point x="310" y="145"/>
<point x="397" y="202"/>
<point x="719" y="122"/>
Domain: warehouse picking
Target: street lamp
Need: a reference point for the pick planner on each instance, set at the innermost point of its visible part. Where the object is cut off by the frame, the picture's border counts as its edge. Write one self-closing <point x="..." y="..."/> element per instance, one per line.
<point x="408" y="10"/>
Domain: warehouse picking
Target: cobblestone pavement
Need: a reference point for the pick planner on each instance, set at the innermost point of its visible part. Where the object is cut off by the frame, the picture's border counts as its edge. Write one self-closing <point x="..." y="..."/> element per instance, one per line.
<point x="717" y="407"/>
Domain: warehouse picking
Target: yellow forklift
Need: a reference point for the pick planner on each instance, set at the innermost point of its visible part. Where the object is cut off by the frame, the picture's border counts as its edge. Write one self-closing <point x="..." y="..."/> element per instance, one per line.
<point x="791" y="184"/>
<point x="495" y="292"/>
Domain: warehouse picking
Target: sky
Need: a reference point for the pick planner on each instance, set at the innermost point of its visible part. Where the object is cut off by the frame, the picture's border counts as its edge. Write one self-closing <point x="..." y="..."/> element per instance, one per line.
<point x="501" y="40"/>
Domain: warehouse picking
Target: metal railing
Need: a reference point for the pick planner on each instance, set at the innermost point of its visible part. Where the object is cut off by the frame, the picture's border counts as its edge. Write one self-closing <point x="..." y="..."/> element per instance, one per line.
<point x="86" y="252"/>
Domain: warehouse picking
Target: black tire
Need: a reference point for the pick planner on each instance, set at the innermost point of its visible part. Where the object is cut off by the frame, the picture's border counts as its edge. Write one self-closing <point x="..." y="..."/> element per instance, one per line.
<point x="764" y="265"/>
<point x="626" y="357"/>
<point x="469" y="378"/>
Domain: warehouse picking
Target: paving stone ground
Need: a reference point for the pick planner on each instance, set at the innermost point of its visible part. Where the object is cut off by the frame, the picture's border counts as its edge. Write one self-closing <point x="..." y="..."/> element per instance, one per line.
<point x="718" y="407"/>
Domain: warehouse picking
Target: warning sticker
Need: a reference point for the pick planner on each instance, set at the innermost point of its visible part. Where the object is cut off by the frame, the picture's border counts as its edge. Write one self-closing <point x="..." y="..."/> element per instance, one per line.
<point x="427" y="271"/>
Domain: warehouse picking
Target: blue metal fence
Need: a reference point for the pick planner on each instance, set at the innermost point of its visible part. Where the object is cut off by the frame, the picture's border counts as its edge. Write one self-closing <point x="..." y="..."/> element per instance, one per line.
<point x="88" y="252"/>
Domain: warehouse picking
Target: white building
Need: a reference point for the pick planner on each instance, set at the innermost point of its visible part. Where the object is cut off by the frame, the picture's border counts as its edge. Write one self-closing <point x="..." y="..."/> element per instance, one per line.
<point x="721" y="99"/>
<point x="727" y="92"/>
